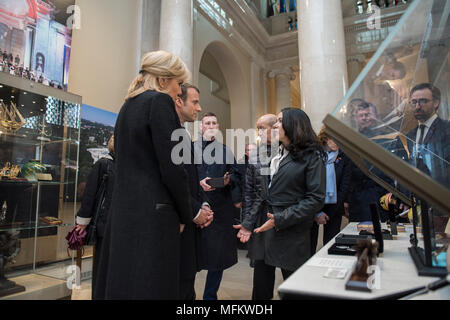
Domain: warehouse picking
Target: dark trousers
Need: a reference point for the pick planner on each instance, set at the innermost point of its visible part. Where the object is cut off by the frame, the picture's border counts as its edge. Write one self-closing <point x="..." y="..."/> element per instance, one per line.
<point x="330" y="230"/>
<point x="187" y="288"/>
<point x="212" y="284"/>
<point x="264" y="280"/>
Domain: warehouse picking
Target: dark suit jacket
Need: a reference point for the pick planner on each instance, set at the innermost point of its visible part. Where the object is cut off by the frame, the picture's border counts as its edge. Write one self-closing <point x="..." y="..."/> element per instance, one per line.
<point x="433" y="159"/>
<point x="219" y="242"/>
<point x="296" y="194"/>
<point x="191" y="238"/>
<point x="150" y="200"/>
<point x="342" y="166"/>
<point x="363" y="191"/>
<point x="436" y="150"/>
<point x="256" y="203"/>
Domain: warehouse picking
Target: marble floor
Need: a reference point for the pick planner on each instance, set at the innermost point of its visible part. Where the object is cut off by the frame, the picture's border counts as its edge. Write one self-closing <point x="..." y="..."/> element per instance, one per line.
<point x="236" y="282"/>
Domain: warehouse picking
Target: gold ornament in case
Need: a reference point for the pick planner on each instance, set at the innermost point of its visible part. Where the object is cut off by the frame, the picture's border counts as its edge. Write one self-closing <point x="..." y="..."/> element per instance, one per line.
<point x="9" y="171"/>
<point x="10" y="117"/>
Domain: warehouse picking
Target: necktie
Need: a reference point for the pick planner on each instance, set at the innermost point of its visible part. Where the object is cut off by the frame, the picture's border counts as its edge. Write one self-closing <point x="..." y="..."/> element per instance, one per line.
<point x="422" y="131"/>
<point x="420" y="164"/>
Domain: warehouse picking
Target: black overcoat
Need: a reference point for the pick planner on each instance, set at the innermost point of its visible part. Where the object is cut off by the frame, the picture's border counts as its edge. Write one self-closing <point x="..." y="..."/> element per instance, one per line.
<point x="296" y="194"/>
<point x="219" y="244"/>
<point x="102" y="169"/>
<point x="150" y="200"/>
<point x="191" y="238"/>
<point x="256" y="205"/>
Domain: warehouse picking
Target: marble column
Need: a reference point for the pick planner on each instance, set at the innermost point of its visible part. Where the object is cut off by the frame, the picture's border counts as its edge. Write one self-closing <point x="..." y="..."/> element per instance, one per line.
<point x="177" y="29"/>
<point x="355" y="65"/>
<point x="150" y="15"/>
<point x="323" y="66"/>
<point x="283" y="79"/>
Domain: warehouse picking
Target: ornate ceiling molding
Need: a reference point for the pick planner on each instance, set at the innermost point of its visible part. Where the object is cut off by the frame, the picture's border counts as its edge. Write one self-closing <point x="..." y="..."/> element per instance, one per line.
<point x="277" y="51"/>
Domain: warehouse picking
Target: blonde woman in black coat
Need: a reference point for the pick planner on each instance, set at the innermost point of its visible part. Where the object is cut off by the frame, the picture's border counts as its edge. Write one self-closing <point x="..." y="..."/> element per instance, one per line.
<point x="296" y="192"/>
<point x="151" y="199"/>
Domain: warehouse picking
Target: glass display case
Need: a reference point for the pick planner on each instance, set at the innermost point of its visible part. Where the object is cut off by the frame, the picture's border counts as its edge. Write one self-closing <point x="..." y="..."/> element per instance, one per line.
<point x="39" y="146"/>
<point x="394" y="124"/>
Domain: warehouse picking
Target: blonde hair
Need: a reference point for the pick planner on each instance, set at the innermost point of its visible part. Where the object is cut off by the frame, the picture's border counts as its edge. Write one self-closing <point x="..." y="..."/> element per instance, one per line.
<point x="155" y="65"/>
<point x="111" y="144"/>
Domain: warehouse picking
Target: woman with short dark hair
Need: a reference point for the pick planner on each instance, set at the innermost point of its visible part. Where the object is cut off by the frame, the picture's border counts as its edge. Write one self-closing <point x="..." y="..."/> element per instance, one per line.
<point x="296" y="193"/>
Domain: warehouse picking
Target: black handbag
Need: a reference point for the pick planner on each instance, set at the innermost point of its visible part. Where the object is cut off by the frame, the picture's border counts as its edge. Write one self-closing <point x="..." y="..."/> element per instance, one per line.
<point x="91" y="236"/>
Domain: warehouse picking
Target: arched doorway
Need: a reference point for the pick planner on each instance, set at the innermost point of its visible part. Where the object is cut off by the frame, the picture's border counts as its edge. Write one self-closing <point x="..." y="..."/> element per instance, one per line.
<point x="214" y="90"/>
<point x="236" y="82"/>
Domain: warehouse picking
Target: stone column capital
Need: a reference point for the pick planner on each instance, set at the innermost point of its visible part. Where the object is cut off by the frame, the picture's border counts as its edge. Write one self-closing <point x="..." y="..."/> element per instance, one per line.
<point x="282" y="71"/>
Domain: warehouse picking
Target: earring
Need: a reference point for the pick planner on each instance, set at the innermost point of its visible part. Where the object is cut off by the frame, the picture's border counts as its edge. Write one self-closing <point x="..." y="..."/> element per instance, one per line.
<point x="163" y="83"/>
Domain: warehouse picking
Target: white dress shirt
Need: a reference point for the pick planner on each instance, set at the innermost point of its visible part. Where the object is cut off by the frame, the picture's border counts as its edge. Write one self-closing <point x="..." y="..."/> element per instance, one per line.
<point x="275" y="163"/>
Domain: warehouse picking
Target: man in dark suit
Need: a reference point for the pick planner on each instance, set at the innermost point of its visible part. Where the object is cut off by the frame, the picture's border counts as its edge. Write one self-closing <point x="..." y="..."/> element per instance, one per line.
<point x="427" y="147"/>
<point x="219" y="240"/>
<point x="187" y="107"/>
<point x="363" y="190"/>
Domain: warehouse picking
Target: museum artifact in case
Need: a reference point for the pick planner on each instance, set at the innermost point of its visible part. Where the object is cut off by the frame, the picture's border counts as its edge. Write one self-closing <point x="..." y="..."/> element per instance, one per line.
<point x="394" y="124"/>
<point x="39" y="148"/>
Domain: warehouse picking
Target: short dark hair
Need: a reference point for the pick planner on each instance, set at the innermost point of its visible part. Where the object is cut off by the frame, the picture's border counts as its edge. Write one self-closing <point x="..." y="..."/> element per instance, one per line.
<point x="436" y="93"/>
<point x="366" y="105"/>
<point x="355" y="104"/>
<point x="184" y="89"/>
<point x="208" y="114"/>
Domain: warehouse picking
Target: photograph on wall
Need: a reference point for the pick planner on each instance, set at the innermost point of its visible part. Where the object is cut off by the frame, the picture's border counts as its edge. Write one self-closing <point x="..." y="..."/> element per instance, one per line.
<point x="97" y="126"/>
<point x="36" y="39"/>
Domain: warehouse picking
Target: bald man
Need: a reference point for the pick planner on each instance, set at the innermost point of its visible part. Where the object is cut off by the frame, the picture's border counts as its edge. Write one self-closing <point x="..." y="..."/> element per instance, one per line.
<point x="256" y="209"/>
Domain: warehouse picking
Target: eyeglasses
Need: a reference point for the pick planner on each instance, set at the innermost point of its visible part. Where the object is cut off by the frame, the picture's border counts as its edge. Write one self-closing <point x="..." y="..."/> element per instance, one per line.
<point x="421" y="102"/>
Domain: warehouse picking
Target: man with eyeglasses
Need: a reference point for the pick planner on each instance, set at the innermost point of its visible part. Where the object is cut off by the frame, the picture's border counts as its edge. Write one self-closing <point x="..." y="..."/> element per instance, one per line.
<point x="428" y="145"/>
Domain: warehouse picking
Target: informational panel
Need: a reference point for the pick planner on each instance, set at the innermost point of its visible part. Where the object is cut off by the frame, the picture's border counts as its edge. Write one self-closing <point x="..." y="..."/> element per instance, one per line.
<point x="97" y="126"/>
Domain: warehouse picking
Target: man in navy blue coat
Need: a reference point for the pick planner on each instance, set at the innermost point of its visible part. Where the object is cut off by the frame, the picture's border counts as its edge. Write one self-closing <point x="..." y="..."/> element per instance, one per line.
<point x="219" y="239"/>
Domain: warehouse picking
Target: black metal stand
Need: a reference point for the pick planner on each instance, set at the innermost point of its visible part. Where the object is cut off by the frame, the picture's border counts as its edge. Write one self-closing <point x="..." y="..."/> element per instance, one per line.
<point x="417" y="254"/>
<point x="422" y="257"/>
<point x="7" y="287"/>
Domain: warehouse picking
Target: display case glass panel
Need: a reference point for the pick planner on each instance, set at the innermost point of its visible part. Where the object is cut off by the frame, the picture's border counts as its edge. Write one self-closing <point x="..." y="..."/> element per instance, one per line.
<point x="394" y="122"/>
<point x="39" y="146"/>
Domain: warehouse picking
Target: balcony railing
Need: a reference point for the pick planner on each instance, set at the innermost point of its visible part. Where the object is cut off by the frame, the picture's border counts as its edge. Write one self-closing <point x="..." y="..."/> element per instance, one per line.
<point x="364" y="6"/>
